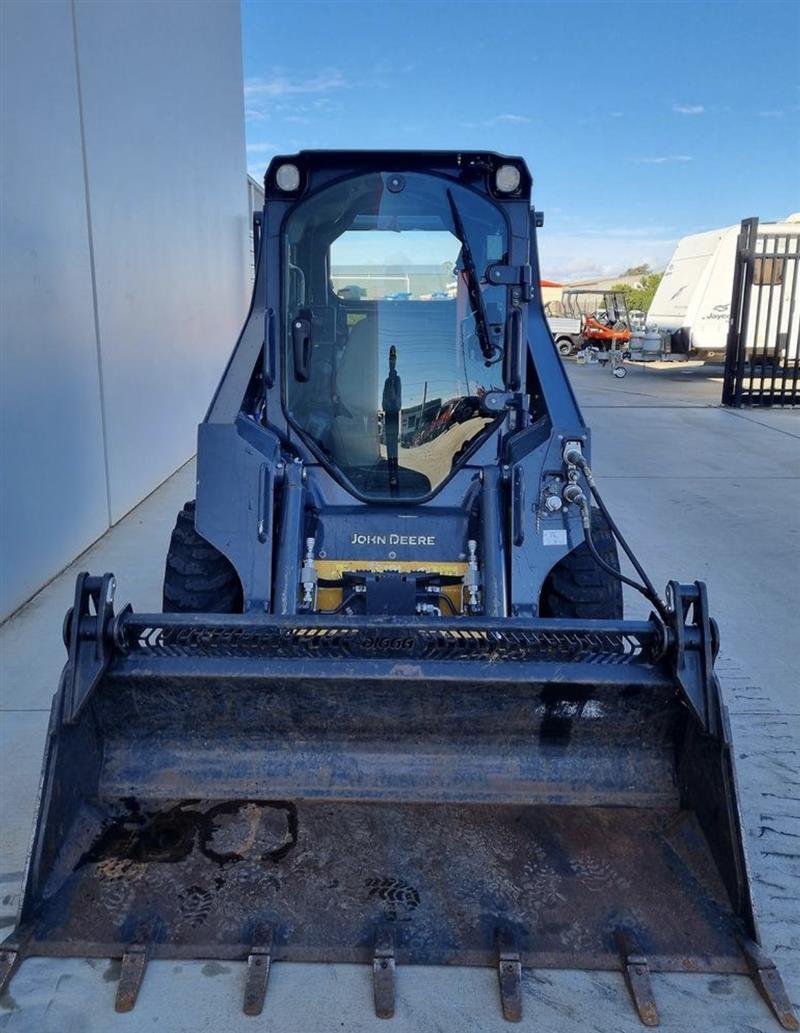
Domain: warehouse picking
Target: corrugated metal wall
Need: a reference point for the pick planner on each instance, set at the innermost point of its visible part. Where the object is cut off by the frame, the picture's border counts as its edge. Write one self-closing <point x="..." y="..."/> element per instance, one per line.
<point x="124" y="259"/>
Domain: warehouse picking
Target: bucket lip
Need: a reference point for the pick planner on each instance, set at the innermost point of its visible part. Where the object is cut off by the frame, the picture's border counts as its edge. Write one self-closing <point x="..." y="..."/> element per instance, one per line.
<point x="601" y="961"/>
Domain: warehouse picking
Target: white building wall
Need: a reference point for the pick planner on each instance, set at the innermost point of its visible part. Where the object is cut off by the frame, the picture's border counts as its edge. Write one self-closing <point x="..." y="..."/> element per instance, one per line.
<point x="124" y="273"/>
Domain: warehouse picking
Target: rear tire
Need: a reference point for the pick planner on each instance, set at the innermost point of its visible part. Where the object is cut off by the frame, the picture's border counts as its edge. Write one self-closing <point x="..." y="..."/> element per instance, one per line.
<point x="578" y="588"/>
<point x="197" y="577"/>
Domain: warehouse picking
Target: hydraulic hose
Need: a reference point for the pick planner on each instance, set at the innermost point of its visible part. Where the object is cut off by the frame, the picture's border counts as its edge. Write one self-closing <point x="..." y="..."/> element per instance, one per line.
<point x="574" y="494"/>
<point x="587" y="473"/>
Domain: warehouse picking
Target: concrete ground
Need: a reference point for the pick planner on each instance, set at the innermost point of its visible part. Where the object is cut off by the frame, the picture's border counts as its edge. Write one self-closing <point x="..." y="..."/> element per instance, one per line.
<point x="701" y="492"/>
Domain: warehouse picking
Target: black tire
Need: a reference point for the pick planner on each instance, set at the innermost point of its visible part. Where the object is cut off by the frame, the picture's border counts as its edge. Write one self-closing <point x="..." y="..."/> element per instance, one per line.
<point x="565" y="346"/>
<point x="197" y="577"/>
<point x="578" y="587"/>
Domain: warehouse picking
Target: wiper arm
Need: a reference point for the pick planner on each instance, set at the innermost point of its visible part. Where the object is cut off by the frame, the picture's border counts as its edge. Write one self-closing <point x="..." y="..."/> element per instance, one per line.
<point x="473" y="284"/>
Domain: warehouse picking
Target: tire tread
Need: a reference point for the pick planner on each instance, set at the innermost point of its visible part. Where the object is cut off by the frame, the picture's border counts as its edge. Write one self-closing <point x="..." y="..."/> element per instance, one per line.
<point x="197" y="577"/>
<point x="577" y="587"/>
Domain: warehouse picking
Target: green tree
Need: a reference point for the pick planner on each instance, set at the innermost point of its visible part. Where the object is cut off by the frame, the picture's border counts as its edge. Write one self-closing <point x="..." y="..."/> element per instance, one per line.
<point x="637" y="270"/>
<point x="639" y="297"/>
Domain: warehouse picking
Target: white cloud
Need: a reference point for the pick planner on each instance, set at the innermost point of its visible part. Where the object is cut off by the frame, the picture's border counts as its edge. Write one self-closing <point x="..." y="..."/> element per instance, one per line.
<point x="771" y="114"/>
<point x="567" y="256"/>
<point x="281" y="85"/>
<point x="496" y="120"/>
<point x="262" y="148"/>
<point x="663" y="159"/>
<point x="291" y="97"/>
<point x="688" y="109"/>
<point x="617" y="114"/>
<point x="581" y="226"/>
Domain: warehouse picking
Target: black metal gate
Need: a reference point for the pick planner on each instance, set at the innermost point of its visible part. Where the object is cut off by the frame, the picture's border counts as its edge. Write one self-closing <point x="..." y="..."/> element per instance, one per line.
<point x="761" y="363"/>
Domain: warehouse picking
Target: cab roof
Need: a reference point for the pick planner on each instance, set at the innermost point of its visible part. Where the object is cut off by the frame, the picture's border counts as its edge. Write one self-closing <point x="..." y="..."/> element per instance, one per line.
<point x="463" y="165"/>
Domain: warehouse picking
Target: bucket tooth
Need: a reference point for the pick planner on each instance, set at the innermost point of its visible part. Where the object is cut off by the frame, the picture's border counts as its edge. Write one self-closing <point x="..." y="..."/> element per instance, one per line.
<point x="383" y="974"/>
<point x="637" y="976"/>
<point x="10" y="960"/>
<point x="258" y="965"/>
<point x="134" y="963"/>
<point x="509" y="970"/>
<point x="769" y="983"/>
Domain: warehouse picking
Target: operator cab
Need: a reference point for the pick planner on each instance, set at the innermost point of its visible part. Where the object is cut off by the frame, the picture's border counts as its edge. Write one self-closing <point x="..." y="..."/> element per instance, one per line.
<point x="394" y="334"/>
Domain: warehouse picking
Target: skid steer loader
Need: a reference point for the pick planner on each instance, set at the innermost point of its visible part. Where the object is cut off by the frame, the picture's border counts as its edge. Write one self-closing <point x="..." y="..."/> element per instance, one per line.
<point x="392" y="713"/>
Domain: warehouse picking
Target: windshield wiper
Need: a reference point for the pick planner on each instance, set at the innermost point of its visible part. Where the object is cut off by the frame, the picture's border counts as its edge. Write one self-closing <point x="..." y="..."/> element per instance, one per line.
<point x="490" y="352"/>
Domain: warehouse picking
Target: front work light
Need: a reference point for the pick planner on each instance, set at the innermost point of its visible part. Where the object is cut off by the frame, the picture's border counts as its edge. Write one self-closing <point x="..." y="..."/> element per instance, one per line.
<point x="507" y="179"/>
<point x="288" y="177"/>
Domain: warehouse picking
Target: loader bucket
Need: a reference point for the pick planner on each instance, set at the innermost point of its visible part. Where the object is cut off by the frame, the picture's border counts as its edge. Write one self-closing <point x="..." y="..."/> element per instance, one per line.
<point x="521" y="793"/>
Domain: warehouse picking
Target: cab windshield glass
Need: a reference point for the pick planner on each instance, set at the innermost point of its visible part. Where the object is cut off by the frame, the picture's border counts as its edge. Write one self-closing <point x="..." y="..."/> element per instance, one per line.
<point x="393" y="334"/>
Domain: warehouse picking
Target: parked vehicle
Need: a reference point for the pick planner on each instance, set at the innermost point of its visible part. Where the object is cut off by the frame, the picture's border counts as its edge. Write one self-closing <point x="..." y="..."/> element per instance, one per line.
<point x="638" y="319"/>
<point x="693" y="299"/>
<point x="603" y="315"/>
<point x="566" y="332"/>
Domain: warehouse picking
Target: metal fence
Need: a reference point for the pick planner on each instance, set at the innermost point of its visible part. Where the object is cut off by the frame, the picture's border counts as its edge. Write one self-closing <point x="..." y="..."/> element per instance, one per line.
<point x="761" y="363"/>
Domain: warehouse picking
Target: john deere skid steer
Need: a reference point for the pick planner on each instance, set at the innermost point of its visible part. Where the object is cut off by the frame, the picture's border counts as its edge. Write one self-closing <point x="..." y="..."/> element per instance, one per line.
<point x="392" y="713"/>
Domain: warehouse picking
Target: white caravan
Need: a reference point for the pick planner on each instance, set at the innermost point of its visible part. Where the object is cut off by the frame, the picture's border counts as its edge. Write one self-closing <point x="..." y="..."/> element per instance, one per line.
<point x="694" y="297"/>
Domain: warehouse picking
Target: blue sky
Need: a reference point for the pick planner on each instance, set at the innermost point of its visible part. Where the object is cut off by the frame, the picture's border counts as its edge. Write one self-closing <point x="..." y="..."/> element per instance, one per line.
<point x="641" y="122"/>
